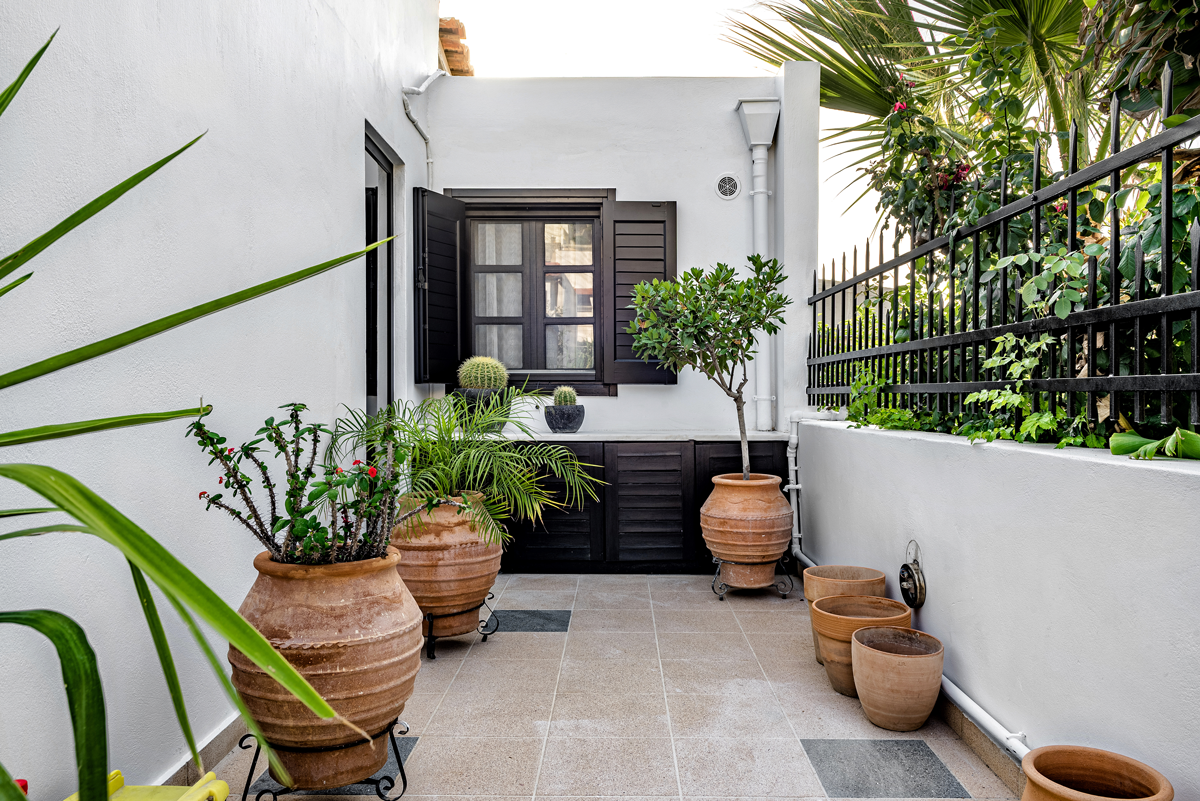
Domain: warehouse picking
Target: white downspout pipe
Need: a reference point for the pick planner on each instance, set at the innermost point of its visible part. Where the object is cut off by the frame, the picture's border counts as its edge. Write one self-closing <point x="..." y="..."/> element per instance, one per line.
<point x="420" y="90"/>
<point x="759" y="115"/>
<point x="793" y="488"/>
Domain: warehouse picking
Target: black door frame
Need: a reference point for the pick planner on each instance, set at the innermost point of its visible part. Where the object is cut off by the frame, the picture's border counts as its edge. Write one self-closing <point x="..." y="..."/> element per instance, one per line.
<point x="376" y="152"/>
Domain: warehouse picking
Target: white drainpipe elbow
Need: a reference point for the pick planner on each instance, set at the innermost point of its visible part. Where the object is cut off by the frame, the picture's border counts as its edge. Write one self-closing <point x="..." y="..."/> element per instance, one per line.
<point x="420" y="90"/>
<point x="1011" y="741"/>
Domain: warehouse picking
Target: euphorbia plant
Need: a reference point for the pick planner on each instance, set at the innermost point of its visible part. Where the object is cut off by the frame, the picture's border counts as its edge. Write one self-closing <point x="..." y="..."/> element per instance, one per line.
<point x="708" y="321"/>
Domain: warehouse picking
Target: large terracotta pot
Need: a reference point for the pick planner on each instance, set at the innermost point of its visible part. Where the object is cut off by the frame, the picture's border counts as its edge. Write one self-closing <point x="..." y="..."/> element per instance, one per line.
<point x="898" y="674"/>
<point x="825" y="580"/>
<point x="748" y="522"/>
<point x="354" y="631"/>
<point x="837" y="617"/>
<point x="1075" y="773"/>
<point x="448" y="569"/>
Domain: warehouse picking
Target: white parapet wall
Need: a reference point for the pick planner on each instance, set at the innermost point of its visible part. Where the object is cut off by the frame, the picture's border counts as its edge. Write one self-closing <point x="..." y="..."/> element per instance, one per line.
<point x="1065" y="584"/>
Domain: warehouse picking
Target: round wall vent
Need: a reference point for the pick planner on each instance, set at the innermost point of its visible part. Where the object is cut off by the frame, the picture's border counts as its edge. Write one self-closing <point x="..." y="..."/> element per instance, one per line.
<point x="728" y="186"/>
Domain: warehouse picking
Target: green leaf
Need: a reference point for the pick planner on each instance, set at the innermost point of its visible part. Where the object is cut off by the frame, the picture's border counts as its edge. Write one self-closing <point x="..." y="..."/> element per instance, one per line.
<point x="1125" y="443"/>
<point x="1062" y="307"/>
<point x="18" y="512"/>
<point x="85" y="697"/>
<point x="88" y="426"/>
<point x="6" y="289"/>
<point x="16" y="259"/>
<point x="9" y="791"/>
<point x="166" y="661"/>
<point x="33" y="532"/>
<point x="1176" y="119"/>
<point x="10" y="92"/>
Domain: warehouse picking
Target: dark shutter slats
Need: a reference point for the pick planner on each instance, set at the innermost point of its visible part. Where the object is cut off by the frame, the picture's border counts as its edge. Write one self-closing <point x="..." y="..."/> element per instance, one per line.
<point x="439" y="226"/>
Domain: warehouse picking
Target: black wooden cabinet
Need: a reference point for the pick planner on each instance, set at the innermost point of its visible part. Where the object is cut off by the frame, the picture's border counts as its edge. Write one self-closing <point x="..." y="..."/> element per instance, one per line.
<point x="647" y="518"/>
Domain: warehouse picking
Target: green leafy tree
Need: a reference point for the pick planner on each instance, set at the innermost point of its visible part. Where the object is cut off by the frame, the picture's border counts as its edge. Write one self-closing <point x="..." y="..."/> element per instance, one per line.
<point x="708" y="321"/>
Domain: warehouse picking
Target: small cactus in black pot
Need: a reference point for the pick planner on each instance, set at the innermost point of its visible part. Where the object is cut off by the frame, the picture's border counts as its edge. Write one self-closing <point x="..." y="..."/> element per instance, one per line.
<point x="566" y="415"/>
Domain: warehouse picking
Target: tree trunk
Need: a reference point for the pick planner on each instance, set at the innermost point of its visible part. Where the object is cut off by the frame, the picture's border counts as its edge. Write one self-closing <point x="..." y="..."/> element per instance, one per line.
<point x="741" y="410"/>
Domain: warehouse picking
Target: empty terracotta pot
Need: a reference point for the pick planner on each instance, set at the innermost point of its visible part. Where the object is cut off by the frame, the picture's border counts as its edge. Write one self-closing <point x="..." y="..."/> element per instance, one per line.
<point x="748" y="522"/>
<point x="354" y="631"/>
<point x="448" y="569"/>
<point x="898" y="674"/>
<point x="825" y="580"/>
<point x="1075" y="773"/>
<point x="837" y="617"/>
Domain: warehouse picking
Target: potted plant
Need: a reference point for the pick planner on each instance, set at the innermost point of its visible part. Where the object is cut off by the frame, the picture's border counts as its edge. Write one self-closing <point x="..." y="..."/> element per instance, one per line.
<point x="327" y="596"/>
<point x="566" y="415"/>
<point x="708" y="321"/>
<point x="482" y="380"/>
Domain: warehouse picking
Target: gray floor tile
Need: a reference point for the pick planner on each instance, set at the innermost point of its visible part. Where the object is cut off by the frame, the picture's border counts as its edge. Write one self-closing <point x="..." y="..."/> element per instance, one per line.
<point x="514" y="620"/>
<point x="881" y="769"/>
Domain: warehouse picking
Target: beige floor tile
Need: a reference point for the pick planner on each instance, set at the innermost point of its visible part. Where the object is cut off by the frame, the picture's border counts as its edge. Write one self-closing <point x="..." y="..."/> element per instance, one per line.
<point x="435" y="675"/>
<point x="694" y="620"/>
<point x="474" y="765"/>
<point x="680" y="583"/>
<point x="727" y="767"/>
<point x="486" y="715"/>
<point x="683" y="599"/>
<point x="766" y="600"/>
<point x="782" y="644"/>
<point x="609" y="715"/>
<point x="519" y="645"/>
<point x="714" y="676"/>
<point x="612" y="580"/>
<point x="744" y="717"/>
<point x="617" y="766"/>
<point x="971" y="772"/>
<point x="752" y="620"/>
<point x="630" y="676"/>
<point x="418" y="710"/>
<point x="691" y="645"/>
<point x="612" y="620"/>
<point x="411" y="797"/>
<point x="802" y="673"/>
<point x="545" y="583"/>
<point x="506" y="677"/>
<point x="451" y="648"/>
<point x="615" y="597"/>
<point x="535" y="599"/>
<point x="822" y="713"/>
<point x="604" y="645"/>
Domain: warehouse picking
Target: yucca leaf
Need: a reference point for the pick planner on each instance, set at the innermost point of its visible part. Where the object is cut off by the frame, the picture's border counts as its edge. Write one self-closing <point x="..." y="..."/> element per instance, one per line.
<point x="18" y="512"/>
<point x="171" y="321"/>
<point x="4" y="290"/>
<point x="166" y="661"/>
<point x="85" y="697"/>
<point x="88" y="426"/>
<point x="166" y="571"/>
<point x="14" y="260"/>
<point x="33" y="532"/>
<point x="10" y="92"/>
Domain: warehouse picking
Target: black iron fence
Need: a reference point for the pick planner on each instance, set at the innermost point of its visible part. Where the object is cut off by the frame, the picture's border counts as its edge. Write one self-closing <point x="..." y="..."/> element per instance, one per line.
<point x="924" y="322"/>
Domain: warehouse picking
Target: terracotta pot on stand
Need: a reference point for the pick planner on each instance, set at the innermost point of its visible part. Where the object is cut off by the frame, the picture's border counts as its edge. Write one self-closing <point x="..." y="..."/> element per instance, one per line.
<point x="449" y="570"/>
<point x="353" y="631"/>
<point x="748" y="526"/>
<point x="1075" y="773"/>
<point x="837" y="617"/>
<point x="825" y="580"/>
<point x="898" y="675"/>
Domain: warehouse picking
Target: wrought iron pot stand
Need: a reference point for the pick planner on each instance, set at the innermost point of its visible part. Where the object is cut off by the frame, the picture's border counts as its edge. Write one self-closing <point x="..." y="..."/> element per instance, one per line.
<point x="485" y="627"/>
<point x="383" y="785"/>
<point x="783" y="583"/>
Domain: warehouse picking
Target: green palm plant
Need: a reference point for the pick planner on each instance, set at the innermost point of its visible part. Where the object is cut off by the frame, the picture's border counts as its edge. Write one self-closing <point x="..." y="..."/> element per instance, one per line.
<point x="91" y="514"/>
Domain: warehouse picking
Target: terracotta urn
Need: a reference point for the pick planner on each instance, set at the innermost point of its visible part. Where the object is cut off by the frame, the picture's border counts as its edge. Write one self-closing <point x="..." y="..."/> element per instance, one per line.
<point x="1075" y="773"/>
<point x="898" y="675"/>
<point x="448" y="569"/>
<point x="748" y="523"/>
<point x="825" y="580"/>
<point x="354" y="631"/>
<point x="837" y="617"/>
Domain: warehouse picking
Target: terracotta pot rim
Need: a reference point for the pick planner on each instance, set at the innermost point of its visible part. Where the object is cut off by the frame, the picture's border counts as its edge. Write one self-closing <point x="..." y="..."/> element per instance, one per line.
<point x="756" y="480"/>
<point x="266" y="566"/>
<point x="900" y="607"/>
<point x="923" y="634"/>
<point x="808" y="572"/>
<point x="1127" y="765"/>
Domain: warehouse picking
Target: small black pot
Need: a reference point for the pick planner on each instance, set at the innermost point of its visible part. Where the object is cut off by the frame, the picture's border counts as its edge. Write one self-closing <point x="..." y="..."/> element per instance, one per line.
<point x="564" y="419"/>
<point x="481" y="397"/>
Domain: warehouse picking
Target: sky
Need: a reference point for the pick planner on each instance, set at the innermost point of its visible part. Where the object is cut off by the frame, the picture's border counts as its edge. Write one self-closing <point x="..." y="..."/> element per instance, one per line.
<point x="572" y="38"/>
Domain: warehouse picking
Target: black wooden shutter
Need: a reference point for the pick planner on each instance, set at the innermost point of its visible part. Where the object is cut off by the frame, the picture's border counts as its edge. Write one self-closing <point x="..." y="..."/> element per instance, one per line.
<point x="639" y="245"/>
<point x="439" y="236"/>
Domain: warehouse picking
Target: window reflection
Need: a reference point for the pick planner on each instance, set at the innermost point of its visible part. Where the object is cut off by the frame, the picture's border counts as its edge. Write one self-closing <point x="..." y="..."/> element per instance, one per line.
<point x="569" y="243"/>
<point x="568" y="294"/>
<point x="498" y="295"/>
<point x="569" y="347"/>
<point x="498" y="243"/>
<point x="502" y="342"/>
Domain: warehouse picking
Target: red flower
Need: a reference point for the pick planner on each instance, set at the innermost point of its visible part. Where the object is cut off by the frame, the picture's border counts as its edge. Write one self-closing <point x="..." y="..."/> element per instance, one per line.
<point x="356" y="462"/>
<point x="202" y="494"/>
<point x="231" y="450"/>
<point x="371" y="472"/>
<point x="221" y="480"/>
<point x="337" y="470"/>
<point x="899" y="107"/>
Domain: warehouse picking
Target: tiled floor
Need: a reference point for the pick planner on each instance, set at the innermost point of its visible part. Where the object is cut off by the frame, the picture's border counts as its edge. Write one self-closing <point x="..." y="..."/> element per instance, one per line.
<point x="656" y="689"/>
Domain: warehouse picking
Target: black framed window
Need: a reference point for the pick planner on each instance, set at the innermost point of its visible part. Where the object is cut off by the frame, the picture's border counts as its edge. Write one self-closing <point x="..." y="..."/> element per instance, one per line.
<point x="380" y="291"/>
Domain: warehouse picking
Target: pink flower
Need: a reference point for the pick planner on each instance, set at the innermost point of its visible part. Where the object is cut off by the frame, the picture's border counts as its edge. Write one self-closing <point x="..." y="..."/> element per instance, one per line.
<point x="911" y="84"/>
<point x="371" y="472"/>
<point x="899" y="107"/>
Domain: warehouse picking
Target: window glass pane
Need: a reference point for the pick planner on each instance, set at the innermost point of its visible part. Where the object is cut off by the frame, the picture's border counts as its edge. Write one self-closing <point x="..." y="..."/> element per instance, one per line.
<point x="569" y="347"/>
<point x="568" y="294"/>
<point x="503" y="342"/>
<point x="569" y="243"/>
<point x="498" y="295"/>
<point x="498" y="243"/>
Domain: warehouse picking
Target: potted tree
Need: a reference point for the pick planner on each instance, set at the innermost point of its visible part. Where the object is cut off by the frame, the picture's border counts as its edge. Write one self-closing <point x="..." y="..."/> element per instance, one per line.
<point x="708" y="321"/>
<point x="327" y="595"/>
<point x="566" y="415"/>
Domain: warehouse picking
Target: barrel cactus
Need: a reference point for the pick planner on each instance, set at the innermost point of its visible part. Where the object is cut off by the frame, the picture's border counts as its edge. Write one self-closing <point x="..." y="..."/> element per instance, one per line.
<point x="482" y="372"/>
<point x="565" y="396"/>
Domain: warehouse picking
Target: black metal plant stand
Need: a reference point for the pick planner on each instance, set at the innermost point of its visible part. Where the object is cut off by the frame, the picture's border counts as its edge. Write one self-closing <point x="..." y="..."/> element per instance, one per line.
<point x="383" y="785"/>
<point x="784" y="582"/>
<point x="483" y="628"/>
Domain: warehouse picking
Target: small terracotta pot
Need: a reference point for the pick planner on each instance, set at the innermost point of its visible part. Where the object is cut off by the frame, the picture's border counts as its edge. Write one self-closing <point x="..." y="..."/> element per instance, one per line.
<point x="354" y="631"/>
<point x="898" y="674"/>
<point x="448" y="569"/>
<point x="1075" y="773"/>
<point x="825" y="580"/>
<point x="837" y="617"/>
<point x="748" y="522"/>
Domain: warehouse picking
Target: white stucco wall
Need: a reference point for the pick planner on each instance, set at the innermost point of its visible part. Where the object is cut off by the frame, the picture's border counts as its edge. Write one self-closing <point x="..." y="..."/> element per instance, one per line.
<point x="1065" y="584"/>
<point x="284" y="91"/>
<point x="650" y="139"/>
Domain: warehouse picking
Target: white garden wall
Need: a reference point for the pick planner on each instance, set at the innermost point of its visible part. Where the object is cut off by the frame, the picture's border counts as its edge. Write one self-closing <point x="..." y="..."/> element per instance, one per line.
<point x="1065" y="584"/>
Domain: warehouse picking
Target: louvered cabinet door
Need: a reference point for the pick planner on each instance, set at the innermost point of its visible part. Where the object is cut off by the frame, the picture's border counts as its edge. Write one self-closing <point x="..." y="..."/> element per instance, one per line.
<point x="649" y="499"/>
<point x="564" y="537"/>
